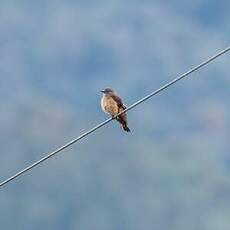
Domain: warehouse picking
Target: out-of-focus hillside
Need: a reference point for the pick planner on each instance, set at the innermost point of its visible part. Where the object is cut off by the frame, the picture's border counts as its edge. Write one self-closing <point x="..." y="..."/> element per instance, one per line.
<point x="171" y="172"/>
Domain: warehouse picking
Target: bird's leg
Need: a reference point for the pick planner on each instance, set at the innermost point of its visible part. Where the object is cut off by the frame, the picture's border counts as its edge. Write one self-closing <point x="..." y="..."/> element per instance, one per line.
<point x="113" y="116"/>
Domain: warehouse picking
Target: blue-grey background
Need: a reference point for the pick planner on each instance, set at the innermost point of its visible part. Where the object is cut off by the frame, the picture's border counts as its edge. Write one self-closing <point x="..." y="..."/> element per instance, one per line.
<point x="171" y="172"/>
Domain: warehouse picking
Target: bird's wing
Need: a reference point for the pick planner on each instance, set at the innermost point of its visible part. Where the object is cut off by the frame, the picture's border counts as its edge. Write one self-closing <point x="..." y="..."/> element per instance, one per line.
<point x="118" y="101"/>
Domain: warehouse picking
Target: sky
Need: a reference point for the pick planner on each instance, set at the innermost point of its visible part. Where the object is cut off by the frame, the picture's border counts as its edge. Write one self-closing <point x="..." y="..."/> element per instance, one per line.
<point x="171" y="172"/>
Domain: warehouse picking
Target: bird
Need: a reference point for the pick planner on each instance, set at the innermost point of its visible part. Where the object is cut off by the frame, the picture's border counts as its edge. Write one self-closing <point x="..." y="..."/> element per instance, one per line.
<point x="112" y="104"/>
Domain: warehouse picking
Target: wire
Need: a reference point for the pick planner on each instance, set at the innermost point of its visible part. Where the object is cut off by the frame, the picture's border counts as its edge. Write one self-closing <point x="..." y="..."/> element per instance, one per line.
<point x="180" y="77"/>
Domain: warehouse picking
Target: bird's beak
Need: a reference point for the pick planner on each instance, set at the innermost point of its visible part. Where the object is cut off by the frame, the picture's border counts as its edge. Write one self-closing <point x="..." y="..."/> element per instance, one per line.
<point x="102" y="91"/>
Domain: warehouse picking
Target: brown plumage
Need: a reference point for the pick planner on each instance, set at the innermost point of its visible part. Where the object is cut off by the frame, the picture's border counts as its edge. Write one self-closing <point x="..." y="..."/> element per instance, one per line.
<point x="112" y="104"/>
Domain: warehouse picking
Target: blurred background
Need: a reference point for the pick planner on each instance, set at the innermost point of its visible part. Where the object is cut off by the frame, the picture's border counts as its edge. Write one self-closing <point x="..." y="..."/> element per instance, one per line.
<point x="171" y="172"/>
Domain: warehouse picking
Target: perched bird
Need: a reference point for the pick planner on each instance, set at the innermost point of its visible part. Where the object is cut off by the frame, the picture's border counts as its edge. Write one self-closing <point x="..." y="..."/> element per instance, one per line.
<point x="112" y="104"/>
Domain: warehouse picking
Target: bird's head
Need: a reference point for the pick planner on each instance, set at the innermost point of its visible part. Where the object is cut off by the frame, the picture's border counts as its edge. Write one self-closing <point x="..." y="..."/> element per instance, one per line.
<point x="108" y="91"/>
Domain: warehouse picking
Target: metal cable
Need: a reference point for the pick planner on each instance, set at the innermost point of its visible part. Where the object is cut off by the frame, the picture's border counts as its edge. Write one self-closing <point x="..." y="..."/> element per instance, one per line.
<point x="110" y="119"/>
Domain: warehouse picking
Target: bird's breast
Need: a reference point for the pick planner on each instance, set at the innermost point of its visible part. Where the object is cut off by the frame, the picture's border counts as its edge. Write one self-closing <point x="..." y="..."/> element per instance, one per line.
<point x="108" y="105"/>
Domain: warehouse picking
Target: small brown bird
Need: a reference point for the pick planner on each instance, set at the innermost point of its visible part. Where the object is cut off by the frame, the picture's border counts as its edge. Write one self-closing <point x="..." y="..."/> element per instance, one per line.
<point x="112" y="104"/>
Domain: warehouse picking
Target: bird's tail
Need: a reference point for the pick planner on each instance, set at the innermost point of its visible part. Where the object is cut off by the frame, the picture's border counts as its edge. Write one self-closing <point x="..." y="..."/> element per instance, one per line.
<point x="123" y="123"/>
<point x="126" y="128"/>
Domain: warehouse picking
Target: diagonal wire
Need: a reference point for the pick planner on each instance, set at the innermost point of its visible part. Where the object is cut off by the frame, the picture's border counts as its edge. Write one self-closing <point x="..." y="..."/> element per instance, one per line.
<point x="180" y="77"/>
